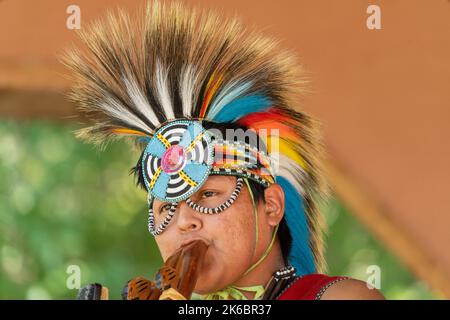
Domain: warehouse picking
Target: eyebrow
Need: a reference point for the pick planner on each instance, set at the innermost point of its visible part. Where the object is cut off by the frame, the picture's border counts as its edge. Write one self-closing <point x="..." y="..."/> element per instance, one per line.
<point x="206" y="186"/>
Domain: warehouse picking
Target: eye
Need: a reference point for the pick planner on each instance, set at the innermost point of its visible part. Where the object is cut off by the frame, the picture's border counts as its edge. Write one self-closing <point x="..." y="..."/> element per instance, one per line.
<point x="208" y="194"/>
<point x="164" y="207"/>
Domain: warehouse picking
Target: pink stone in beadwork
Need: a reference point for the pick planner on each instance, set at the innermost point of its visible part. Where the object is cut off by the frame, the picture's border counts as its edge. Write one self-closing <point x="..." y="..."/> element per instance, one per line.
<point x="173" y="159"/>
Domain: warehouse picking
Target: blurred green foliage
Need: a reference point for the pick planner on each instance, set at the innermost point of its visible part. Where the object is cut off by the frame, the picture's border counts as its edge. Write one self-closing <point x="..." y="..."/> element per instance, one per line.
<point x="63" y="202"/>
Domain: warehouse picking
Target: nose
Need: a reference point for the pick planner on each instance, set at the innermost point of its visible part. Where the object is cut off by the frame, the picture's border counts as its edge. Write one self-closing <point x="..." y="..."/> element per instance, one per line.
<point x="188" y="219"/>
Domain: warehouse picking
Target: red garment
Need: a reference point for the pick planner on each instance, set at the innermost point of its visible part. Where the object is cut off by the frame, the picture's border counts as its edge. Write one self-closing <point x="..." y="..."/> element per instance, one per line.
<point x="309" y="287"/>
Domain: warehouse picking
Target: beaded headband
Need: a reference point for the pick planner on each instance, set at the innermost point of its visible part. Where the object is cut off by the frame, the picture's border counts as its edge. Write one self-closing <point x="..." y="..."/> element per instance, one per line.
<point x="182" y="154"/>
<point x="179" y="158"/>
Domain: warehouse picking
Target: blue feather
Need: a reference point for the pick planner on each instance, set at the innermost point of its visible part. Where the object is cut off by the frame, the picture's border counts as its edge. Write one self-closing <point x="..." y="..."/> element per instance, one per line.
<point x="300" y="255"/>
<point x="241" y="107"/>
<point x="227" y="95"/>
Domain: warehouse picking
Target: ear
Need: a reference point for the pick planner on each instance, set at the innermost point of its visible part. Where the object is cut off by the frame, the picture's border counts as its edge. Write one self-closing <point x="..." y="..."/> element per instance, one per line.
<point x="274" y="204"/>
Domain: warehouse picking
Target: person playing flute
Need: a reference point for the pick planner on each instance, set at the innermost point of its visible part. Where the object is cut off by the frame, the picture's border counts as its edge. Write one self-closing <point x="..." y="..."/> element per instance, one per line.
<point x="226" y="155"/>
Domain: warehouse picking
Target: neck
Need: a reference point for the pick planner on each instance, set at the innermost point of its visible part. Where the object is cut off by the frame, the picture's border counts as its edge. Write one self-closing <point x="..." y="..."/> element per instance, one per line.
<point x="262" y="274"/>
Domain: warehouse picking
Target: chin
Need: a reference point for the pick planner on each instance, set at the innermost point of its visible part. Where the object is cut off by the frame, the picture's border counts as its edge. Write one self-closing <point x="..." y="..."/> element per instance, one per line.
<point x="208" y="283"/>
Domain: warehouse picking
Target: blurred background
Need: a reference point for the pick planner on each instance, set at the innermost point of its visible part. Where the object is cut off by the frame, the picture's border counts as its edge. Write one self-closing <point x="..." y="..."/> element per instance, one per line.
<point x="382" y="95"/>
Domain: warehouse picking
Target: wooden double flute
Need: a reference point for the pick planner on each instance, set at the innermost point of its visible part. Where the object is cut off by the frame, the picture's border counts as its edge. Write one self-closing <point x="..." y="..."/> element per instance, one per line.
<point x="175" y="280"/>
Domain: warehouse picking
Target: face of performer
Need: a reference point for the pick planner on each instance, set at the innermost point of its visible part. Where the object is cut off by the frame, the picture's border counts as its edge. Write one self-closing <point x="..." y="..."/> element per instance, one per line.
<point x="230" y="234"/>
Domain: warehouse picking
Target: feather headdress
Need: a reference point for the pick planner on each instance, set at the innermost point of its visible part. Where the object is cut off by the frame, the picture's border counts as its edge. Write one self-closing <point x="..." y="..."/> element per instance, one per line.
<point x="171" y="63"/>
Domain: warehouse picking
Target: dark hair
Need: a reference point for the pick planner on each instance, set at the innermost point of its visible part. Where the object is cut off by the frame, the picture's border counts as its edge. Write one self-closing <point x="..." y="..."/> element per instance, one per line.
<point x="284" y="234"/>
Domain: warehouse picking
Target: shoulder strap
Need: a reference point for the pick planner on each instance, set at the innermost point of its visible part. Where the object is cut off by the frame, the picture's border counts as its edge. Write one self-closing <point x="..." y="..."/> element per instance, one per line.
<point x="309" y="287"/>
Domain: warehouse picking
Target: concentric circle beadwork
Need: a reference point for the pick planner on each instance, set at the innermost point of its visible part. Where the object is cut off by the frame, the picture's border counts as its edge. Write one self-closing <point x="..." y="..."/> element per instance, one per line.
<point x="177" y="160"/>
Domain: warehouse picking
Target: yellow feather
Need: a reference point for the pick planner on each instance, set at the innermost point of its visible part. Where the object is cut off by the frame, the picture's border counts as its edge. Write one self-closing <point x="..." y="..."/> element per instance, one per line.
<point x="285" y="148"/>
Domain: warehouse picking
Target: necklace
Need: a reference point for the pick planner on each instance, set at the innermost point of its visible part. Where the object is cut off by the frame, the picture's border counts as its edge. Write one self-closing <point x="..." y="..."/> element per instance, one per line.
<point x="279" y="281"/>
